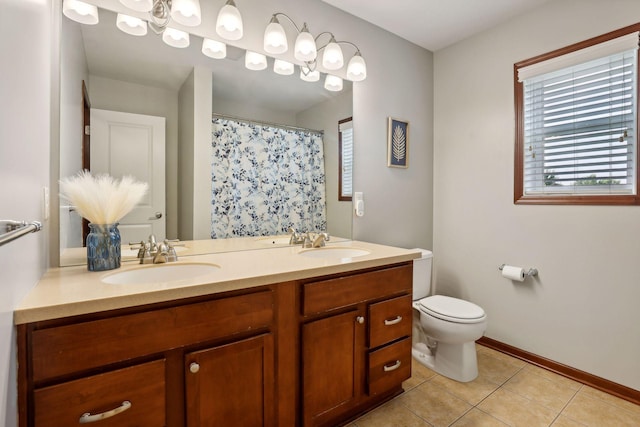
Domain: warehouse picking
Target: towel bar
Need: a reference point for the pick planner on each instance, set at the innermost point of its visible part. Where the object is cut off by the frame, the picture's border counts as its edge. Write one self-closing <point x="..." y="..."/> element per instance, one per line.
<point x="11" y="230"/>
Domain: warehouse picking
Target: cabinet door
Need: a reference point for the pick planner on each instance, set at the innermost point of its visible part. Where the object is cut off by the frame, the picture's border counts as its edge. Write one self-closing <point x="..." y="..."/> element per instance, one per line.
<point x="231" y="385"/>
<point x="333" y="366"/>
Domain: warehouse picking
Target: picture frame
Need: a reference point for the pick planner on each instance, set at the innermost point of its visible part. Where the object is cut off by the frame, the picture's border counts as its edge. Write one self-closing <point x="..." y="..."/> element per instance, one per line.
<point x="397" y="143"/>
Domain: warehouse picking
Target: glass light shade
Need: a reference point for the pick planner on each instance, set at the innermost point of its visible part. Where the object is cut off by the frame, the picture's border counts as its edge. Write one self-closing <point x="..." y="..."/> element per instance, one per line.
<point x="357" y="68"/>
<point x="138" y="5"/>
<point x="275" y="39"/>
<point x="131" y="25"/>
<point x="305" y="48"/>
<point x="283" y="67"/>
<point x="80" y="11"/>
<point x="175" y="38"/>
<point x="255" y="61"/>
<point x="214" y="49"/>
<point x="332" y="58"/>
<point x="333" y="83"/>
<point x="309" y="76"/>
<point x="186" y="12"/>
<point x="229" y="23"/>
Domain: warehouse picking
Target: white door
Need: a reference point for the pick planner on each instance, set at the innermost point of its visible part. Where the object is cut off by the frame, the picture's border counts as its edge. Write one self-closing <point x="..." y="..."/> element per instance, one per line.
<point x="133" y="144"/>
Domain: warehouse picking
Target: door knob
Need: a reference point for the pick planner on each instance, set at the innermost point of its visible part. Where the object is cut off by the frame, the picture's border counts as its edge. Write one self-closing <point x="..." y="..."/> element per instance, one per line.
<point x="360" y="319"/>
<point x="158" y="215"/>
<point x="194" y="368"/>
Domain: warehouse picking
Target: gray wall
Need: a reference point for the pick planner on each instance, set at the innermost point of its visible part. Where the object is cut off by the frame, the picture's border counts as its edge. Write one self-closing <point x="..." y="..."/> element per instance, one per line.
<point x="582" y="310"/>
<point x="25" y="143"/>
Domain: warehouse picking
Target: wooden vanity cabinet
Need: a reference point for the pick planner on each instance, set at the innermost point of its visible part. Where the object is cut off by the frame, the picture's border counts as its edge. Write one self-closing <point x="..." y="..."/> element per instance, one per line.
<point x="312" y="352"/>
<point x="356" y="343"/>
<point x="187" y="364"/>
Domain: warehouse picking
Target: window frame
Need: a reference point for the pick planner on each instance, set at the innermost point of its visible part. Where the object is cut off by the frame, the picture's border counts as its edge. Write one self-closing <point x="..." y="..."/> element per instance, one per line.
<point x="342" y="197"/>
<point x="519" y="196"/>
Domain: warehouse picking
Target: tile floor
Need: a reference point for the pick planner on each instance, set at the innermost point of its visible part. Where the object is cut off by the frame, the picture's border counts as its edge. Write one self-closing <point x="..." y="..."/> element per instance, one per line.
<point x="507" y="392"/>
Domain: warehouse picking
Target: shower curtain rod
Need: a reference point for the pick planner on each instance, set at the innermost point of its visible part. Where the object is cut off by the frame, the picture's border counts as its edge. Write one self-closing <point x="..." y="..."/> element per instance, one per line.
<point x="256" y="122"/>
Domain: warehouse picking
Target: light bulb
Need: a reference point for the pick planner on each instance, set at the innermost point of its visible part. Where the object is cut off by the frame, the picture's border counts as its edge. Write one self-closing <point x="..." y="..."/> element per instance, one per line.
<point x="305" y="48"/>
<point x="80" y="11"/>
<point x="332" y="58"/>
<point x="333" y="83"/>
<point x="255" y="61"/>
<point x="275" y="39"/>
<point x="283" y="67"/>
<point x="214" y="49"/>
<point x="131" y="25"/>
<point x="357" y="68"/>
<point x="229" y="23"/>
<point x="186" y="12"/>
<point x="308" y="75"/>
<point x="175" y="38"/>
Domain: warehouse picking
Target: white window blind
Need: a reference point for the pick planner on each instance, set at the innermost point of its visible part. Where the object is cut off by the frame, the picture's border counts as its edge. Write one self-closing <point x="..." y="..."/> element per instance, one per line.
<point x="346" y="138"/>
<point x="580" y="127"/>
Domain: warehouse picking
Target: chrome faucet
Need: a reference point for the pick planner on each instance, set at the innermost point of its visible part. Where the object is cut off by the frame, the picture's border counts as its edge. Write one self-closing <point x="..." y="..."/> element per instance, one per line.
<point x="315" y="240"/>
<point x="153" y="253"/>
<point x="296" y="238"/>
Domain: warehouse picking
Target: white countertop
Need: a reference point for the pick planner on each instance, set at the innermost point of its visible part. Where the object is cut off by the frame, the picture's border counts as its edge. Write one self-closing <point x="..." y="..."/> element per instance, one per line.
<point x="70" y="291"/>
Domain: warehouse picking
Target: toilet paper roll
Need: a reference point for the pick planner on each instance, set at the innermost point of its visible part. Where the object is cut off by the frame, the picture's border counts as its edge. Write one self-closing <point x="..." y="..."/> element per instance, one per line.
<point x="513" y="273"/>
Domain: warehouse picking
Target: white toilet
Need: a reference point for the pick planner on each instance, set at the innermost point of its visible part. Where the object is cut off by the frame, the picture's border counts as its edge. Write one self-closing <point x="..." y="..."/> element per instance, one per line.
<point x="444" y="328"/>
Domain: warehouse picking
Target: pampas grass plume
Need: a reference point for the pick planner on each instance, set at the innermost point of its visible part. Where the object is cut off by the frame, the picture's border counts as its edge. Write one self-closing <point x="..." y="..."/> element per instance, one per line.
<point x="102" y="199"/>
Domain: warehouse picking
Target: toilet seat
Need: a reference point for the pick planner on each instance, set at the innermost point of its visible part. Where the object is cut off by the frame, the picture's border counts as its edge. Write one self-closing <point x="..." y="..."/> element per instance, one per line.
<point x="451" y="309"/>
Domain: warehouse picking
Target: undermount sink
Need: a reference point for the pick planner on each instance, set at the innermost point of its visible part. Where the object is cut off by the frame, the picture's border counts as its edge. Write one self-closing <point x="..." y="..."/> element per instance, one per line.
<point x="274" y="240"/>
<point x="161" y="273"/>
<point x="333" y="252"/>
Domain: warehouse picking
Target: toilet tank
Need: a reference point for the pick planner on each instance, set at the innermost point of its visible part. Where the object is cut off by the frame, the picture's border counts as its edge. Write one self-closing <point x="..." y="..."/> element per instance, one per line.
<point x="422" y="274"/>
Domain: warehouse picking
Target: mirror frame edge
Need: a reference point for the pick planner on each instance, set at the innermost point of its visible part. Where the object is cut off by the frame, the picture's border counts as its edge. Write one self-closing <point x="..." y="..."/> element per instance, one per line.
<point x="54" y="138"/>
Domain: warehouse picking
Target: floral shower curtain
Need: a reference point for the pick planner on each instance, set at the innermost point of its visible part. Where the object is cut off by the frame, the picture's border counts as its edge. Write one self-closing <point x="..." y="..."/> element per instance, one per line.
<point x="265" y="179"/>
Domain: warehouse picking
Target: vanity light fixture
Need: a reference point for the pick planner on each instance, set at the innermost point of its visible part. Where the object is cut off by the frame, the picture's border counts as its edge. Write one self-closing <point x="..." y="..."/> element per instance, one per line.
<point x="80" y="11"/>
<point x="175" y="38"/>
<point x="161" y="12"/>
<point x="229" y="22"/>
<point x="138" y="5"/>
<point x="255" y="61"/>
<point x="282" y="67"/>
<point x="214" y="49"/>
<point x="131" y="25"/>
<point x="306" y="49"/>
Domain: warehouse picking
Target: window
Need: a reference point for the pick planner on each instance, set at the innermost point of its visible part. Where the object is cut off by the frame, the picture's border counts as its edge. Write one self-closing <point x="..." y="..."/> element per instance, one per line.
<point x="345" y="163"/>
<point x="576" y="123"/>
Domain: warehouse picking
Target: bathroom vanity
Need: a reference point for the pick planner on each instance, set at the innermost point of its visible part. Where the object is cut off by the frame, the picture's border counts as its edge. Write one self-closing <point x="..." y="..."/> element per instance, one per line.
<point x="270" y="338"/>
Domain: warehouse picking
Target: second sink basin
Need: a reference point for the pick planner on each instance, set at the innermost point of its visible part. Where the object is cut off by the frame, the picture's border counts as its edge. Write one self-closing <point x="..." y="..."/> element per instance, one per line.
<point x="161" y="273"/>
<point x="335" y="252"/>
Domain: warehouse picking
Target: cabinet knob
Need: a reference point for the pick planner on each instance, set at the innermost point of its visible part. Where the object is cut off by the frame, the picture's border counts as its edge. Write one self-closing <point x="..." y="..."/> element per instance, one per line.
<point x="194" y="367"/>
<point x="360" y="319"/>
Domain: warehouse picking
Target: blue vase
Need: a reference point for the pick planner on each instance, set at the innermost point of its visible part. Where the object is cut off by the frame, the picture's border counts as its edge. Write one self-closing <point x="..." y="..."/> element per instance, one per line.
<point x="103" y="247"/>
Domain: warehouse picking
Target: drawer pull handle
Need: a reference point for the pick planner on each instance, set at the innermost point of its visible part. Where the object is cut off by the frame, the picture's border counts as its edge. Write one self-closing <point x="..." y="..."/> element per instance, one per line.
<point x="393" y="367"/>
<point x="389" y="322"/>
<point x="88" y="418"/>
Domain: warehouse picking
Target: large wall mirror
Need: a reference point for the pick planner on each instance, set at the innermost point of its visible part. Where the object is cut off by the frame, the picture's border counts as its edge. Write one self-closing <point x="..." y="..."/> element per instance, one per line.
<point x="144" y="76"/>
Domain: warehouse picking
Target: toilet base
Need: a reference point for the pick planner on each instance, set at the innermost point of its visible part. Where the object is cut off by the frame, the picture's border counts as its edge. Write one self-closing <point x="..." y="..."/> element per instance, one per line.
<point x="456" y="361"/>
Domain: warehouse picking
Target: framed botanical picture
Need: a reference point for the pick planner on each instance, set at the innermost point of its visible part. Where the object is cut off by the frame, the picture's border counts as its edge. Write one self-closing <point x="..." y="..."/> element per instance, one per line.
<point x="397" y="143"/>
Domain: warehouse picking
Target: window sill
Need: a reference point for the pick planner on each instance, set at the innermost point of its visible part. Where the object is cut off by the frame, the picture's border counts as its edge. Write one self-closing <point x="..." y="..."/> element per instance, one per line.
<point x="626" y="200"/>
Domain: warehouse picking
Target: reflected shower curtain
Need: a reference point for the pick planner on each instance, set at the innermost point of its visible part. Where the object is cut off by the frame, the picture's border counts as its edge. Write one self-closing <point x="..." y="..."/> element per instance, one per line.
<point x="265" y="179"/>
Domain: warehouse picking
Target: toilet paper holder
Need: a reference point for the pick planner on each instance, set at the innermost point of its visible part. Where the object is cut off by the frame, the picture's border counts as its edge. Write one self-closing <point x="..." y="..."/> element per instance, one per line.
<point x="530" y="273"/>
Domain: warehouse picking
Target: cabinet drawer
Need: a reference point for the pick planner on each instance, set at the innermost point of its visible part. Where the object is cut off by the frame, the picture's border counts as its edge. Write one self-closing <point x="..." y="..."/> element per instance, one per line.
<point x="73" y="348"/>
<point x="389" y="366"/>
<point x="389" y="320"/>
<point x="141" y="388"/>
<point x="326" y="295"/>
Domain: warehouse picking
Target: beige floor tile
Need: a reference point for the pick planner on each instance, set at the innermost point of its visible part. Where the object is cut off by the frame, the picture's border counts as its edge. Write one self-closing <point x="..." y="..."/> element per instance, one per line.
<point x="419" y="374"/>
<point x="471" y="392"/>
<point x="517" y="410"/>
<point x="613" y="400"/>
<point x="497" y="369"/>
<point x="392" y="414"/>
<point x="563" y="421"/>
<point x="434" y="404"/>
<point x="477" y="418"/>
<point x="539" y="389"/>
<point x="556" y="378"/>
<point x="591" y="411"/>
<point x="504" y="357"/>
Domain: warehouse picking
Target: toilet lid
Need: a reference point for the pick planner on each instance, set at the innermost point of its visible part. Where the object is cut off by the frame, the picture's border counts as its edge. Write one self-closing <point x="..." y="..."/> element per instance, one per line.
<point x="452" y="309"/>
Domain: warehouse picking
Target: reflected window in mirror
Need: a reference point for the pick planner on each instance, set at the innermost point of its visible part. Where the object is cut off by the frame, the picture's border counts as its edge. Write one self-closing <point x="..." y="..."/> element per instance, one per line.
<point x="345" y="164"/>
